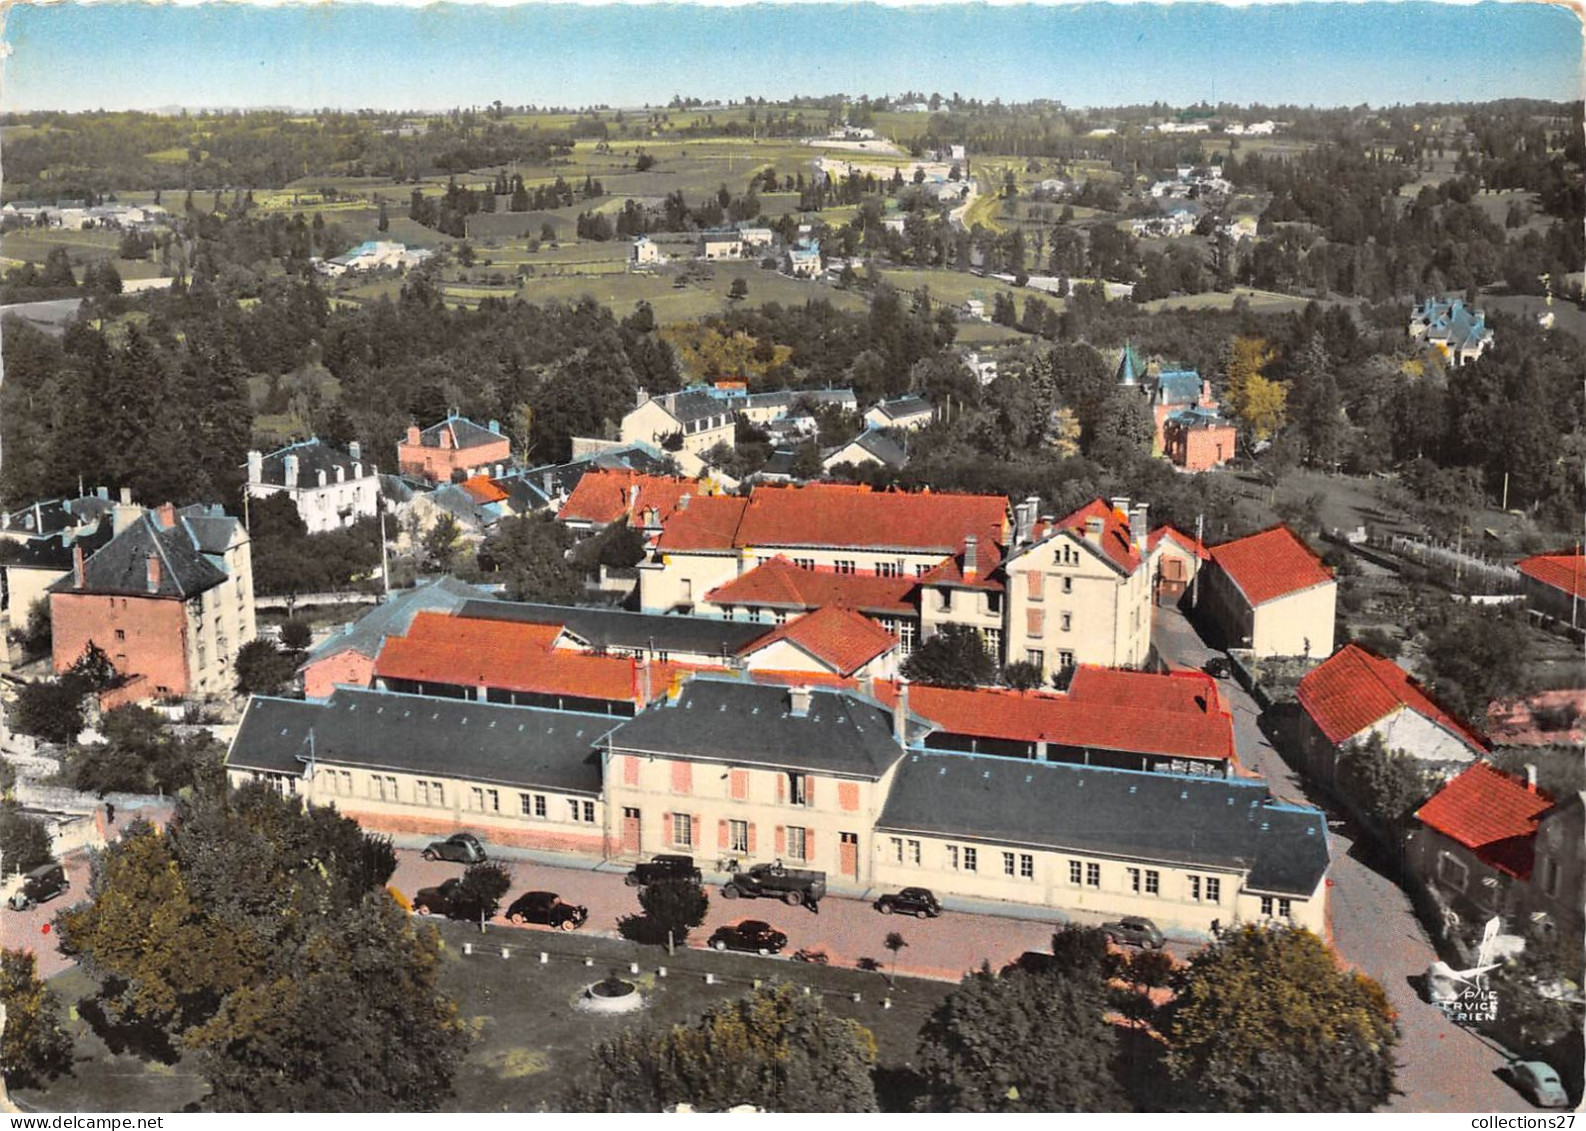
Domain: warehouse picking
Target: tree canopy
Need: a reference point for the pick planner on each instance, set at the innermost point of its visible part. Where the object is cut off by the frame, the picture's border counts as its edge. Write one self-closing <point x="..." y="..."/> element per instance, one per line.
<point x="955" y="656"/>
<point x="36" y="1046"/>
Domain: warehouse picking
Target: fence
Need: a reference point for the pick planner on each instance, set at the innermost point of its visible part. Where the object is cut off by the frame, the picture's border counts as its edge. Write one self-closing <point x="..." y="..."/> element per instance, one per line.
<point x="1462" y="569"/>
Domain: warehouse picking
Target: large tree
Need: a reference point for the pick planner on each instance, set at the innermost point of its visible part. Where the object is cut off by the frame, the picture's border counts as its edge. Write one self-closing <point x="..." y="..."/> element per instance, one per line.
<point x="35" y="1046"/>
<point x="1385" y="784"/>
<point x="24" y="841"/>
<point x="1265" y="1019"/>
<point x="1023" y="1041"/>
<point x="672" y="908"/>
<point x="775" y="1049"/>
<point x="955" y="656"/>
<point x="530" y="556"/>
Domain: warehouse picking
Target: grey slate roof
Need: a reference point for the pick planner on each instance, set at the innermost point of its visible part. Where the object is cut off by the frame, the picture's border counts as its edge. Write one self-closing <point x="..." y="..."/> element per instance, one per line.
<point x="1214" y="822"/>
<point x="883" y="447"/>
<point x="620" y="629"/>
<point x="464" y="431"/>
<point x="903" y="406"/>
<point x="564" y="477"/>
<point x="186" y="551"/>
<point x="694" y="404"/>
<point x="55" y="551"/>
<point x="365" y="635"/>
<point x="313" y="456"/>
<point x="749" y="724"/>
<point x="419" y="734"/>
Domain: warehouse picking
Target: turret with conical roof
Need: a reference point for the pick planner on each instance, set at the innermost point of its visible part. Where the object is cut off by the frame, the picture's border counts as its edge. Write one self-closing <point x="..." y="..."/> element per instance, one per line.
<point x="1130" y="367"/>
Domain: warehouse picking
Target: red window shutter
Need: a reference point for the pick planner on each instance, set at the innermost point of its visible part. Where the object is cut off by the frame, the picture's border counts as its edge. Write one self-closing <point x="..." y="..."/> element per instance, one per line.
<point x="751" y="838"/>
<point x="666" y="828"/>
<point x="721" y="834"/>
<point x="699" y="831"/>
<point x="682" y="777"/>
<point x="740" y="785"/>
<point x="1037" y="621"/>
<point x="809" y="844"/>
<point x="809" y="790"/>
<point x="630" y="771"/>
<point x="781" y="789"/>
<point x="848" y="795"/>
<point x="781" y="840"/>
<point x="1035" y="582"/>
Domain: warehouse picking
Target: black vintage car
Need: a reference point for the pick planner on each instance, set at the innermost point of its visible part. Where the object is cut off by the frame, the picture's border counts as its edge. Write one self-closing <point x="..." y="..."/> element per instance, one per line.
<point x="919" y="902"/>
<point x="546" y="907"/>
<point x="447" y="899"/>
<point x="40" y="885"/>
<point x="664" y="868"/>
<point x="1132" y="930"/>
<point x="461" y="848"/>
<point x="752" y="935"/>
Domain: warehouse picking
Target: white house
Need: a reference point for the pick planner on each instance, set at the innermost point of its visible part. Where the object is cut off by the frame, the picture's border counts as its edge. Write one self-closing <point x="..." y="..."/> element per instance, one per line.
<point x="330" y="489"/>
<point x="902" y="412"/>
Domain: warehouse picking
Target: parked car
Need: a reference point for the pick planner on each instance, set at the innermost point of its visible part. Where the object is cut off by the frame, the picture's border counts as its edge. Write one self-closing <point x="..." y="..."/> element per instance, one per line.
<point x="1134" y="931"/>
<point x="793" y="886"/>
<point x="447" y="899"/>
<point x="40" y="885"/>
<point x="665" y="867"/>
<point x="751" y="934"/>
<point x="547" y="907"/>
<point x="919" y="902"/>
<point x="1538" y="1082"/>
<point x="462" y="848"/>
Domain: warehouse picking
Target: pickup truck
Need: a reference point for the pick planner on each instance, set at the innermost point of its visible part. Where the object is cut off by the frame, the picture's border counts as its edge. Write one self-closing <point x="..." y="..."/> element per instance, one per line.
<point x="794" y="886"/>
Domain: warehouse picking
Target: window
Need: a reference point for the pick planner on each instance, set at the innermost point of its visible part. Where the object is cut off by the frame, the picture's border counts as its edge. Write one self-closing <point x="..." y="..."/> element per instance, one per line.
<point x="797" y="793"/>
<point x="737" y="836"/>
<point x="952" y="857"/>
<point x="888" y="569"/>
<point x="944" y="600"/>
<point x="1035" y="584"/>
<point x="682" y="830"/>
<point x="479" y="797"/>
<point x="1195" y="888"/>
<point x="797" y="844"/>
<point x="1007" y="863"/>
<point x="779" y="616"/>
<point x="971" y="855"/>
<point x="1068" y="585"/>
<point x="994" y="604"/>
<point x="589" y="812"/>
<point x="921" y="570"/>
<point x="382" y="788"/>
<point x="121" y="634"/>
<point x="1034" y="622"/>
<point x="1285" y="908"/>
<point x="525" y="804"/>
<point x="1134" y="879"/>
<point x="992" y="638"/>
<point x="1452" y="872"/>
<point x="1550" y="875"/>
<point x="1067" y="621"/>
<point x="754" y="616"/>
<point x="1153" y="882"/>
<point x="1214" y="890"/>
<point x="897" y="849"/>
<point x="1036" y="656"/>
<point x="907" y="633"/>
<point x="1093" y="875"/>
<point x="1065" y="659"/>
<point x="1026" y="866"/>
<point x="844" y="565"/>
<point x="913" y="847"/>
<point x="1074" y="872"/>
<point x="804" y="563"/>
<point x="1266" y="906"/>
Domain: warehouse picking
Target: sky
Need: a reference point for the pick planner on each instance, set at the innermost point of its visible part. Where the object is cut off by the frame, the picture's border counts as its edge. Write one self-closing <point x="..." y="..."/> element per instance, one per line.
<point x="76" y="56"/>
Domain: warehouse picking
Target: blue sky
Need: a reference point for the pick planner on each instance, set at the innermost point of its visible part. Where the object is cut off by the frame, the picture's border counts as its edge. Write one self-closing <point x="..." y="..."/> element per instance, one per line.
<point x="73" y="56"/>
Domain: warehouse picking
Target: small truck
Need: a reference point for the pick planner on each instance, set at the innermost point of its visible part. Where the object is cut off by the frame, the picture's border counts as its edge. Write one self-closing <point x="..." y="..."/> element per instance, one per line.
<point x="793" y="886"/>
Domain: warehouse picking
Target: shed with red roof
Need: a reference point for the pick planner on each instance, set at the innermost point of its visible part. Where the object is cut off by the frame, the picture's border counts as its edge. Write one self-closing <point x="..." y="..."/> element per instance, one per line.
<point x="1555" y="586"/>
<point x="829" y="641"/>
<point x="1270" y="593"/>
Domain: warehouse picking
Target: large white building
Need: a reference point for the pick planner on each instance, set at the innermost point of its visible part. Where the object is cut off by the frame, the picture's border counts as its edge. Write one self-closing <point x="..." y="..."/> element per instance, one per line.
<point x="331" y="489"/>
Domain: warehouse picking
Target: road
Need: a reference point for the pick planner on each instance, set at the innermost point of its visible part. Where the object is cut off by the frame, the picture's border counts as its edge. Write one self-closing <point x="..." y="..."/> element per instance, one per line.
<point x="1443" y="1067"/>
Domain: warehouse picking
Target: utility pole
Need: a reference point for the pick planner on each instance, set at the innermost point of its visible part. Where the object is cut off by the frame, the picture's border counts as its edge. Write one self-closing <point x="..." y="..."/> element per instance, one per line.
<point x="1195" y="582"/>
<point x="385" y="561"/>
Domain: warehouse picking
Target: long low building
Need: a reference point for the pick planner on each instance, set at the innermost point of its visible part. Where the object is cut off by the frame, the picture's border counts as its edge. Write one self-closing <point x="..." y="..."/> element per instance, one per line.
<point x="827" y="777"/>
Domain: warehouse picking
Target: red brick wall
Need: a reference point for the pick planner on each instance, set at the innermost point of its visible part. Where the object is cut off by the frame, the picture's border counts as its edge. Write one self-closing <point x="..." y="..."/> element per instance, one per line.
<point x="153" y="644"/>
<point x="320" y="678"/>
<point x="437" y="464"/>
<point x="1196" y="449"/>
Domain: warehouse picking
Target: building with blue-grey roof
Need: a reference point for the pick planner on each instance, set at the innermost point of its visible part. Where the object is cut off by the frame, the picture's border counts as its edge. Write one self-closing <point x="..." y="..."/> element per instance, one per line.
<point x="1456" y="330"/>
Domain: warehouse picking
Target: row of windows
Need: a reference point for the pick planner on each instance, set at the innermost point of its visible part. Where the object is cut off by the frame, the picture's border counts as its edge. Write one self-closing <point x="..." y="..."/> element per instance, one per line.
<point x="1081" y="873"/>
<point x="792" y="787"/>
<point x="686" y="833"/>
<point x="944" y="601"/>
<point x="1037" y="656"/>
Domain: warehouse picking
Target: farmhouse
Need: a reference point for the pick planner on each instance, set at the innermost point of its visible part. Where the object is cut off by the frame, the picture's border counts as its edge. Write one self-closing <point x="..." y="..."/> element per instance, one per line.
<point x="1271" y="594"/>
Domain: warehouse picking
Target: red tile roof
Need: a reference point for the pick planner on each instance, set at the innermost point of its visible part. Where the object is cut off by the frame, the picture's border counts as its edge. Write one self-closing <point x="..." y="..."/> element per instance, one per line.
<point x="511" y="656"/>
<point x="1190" y="691"/>
<point x="1184" y="541"/>
<point x="710" y="523"/>
<point x="829" y="514"/>
<point x="1116" y="543"/>
<point x="951" y="571"/>
<point x="778" y="583"/>
<point x="483" y="489"/>
<point x="1491" y="814"/>
<point x="604" y="496"/>
<point x="840" y="638"/>
<point x="1561" y="571"/>
<point x="1271" y="564"/>
<point x="1354" y="689"/>
<point x="1203" y="731"/>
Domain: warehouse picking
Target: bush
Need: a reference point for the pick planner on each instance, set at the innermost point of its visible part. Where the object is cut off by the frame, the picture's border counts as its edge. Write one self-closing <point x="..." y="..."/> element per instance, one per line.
<point x="23" y="839"/>
<point x="672" y="908"/>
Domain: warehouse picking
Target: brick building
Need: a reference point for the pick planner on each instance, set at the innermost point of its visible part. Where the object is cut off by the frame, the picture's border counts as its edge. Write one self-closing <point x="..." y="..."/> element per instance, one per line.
<point x="455" y="444"/>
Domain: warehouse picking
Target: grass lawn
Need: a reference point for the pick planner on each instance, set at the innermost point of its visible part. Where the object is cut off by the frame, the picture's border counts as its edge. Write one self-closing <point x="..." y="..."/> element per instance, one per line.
<point x="529" y="1040"/>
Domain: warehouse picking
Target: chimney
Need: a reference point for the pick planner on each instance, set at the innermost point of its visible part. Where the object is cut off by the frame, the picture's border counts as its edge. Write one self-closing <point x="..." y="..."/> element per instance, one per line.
<point x="154" y="573"/>
<point x="1139" y="531"/>
<point x="548" y="485"/>
<point x="355" y="451"/>
<point x="357" y="470"/>
<point x="413" y="439"/>
<point x="495" y="426"/>
<point x="1120" y="503"/>
<point x="38" y="517"/>
<point x="291" y="469"/>
<point x="448" y="441"/>
<point x="867" y="685"/>
<point x="971" y="556"/>
<point x="1530" y="777"/>
<point x="126" y="496"/>
<point x="103" y="493"/>
<point x="319" y="476"/>
<point x="1027" y="512"/>
<point x="166" y="516"/>
<point x="674" y="690"/>
<point x="1093" y="528"/>
<point x="644" y="681"/>
<point x="900" y="714"/>
<point x="77" y="566"/>
<point x="644" y="395"/>
<point x="682" y="502"/>
<point x="499" y="471"/>
<point x="633" y="497"/>
<point x="255" y="467"/>
<point x="798" y="702"/>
